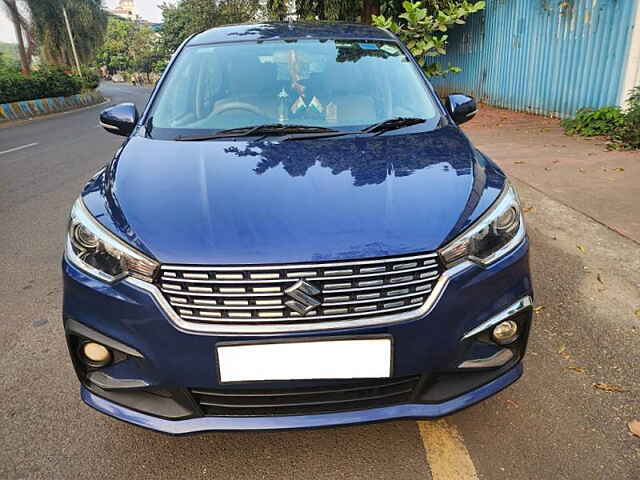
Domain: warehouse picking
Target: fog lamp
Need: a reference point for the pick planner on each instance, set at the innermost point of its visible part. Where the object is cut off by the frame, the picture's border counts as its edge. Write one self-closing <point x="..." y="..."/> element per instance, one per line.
<point x="96" y="355"/>
<point x="505" y="332"/>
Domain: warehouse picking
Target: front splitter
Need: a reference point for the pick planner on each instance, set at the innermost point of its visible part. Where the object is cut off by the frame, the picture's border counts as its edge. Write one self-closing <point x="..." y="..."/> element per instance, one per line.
<point x="204" y="424"/>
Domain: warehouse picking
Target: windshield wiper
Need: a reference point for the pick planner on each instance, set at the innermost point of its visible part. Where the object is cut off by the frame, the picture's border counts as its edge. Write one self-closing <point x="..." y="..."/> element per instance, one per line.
<point x="277" y="128"/>
<point x="376" y="128"/>
<point x="304" y="131"/>
<point x="392" y="124"/>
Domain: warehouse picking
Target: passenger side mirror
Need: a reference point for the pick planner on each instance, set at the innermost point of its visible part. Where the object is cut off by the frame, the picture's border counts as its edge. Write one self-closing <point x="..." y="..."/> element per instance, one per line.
<point x="462" y="108"/>
<point x="120" y="119"/>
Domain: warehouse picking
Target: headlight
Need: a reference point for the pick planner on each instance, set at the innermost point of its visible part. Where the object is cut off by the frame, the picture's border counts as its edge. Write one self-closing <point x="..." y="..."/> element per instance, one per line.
<point x="495" y="234"/>
<point x="95" y="250"/>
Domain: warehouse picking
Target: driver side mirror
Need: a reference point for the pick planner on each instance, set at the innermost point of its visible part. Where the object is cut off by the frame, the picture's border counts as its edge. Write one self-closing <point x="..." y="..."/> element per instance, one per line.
<point x="120" y="119"/>
<point x="462" y="108"/>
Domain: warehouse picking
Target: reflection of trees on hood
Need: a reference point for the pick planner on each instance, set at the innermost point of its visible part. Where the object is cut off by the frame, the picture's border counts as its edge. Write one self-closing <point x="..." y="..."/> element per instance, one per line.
<point x="369" y="159"/>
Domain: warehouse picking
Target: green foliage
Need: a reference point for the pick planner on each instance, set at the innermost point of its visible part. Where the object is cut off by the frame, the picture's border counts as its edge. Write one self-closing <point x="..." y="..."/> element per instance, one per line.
<point x="144" y="49"/>
<point x="194" y="16"/>
<point x="277" y="9"/>
<point x="8" y="52"/>
<point x="88" y="22"/>
<point x="627" y="135"/>
<point x="159" y="65"/>
<point x="590" y="123"/>
<point x="46" y="82"/>
<point x="344" y="10"/>
<point x="22" y="28"/>
<point x="8" y="64"/>
<point x="423" y="29"/>
<point x="394" y="8"/>
<point x="184" y="19"/>
<point x="128" y="46"/>
<point x="622" y="127"/>
<point x="90" y="79"/>
<point x="114" y="51"/>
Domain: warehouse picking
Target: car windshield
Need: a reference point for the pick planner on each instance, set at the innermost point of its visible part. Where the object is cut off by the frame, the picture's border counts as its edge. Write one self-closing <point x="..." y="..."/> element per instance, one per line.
<point x="333" y="84"/>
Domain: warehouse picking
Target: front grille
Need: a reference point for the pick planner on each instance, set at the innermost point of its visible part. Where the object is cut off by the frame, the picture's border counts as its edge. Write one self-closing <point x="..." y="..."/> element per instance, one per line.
<point x="352" y="396"/>
<point x="262" y="295"/>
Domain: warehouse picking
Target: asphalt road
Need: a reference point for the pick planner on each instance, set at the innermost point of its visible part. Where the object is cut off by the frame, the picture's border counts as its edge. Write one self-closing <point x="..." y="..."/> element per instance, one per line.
<point x="552" y="424"/>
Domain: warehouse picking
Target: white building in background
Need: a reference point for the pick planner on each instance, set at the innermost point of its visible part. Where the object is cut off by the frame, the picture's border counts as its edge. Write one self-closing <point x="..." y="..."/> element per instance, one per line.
<point x="126" y="9"/>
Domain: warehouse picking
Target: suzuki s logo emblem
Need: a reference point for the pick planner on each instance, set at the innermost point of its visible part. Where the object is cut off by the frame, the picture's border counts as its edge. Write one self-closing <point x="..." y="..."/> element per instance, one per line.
<point x="302" y="294"/>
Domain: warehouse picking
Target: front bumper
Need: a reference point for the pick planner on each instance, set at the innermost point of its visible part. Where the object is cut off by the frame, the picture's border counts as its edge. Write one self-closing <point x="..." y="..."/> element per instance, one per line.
<point x="158" y="364"/>
<point x="395" y="412"/>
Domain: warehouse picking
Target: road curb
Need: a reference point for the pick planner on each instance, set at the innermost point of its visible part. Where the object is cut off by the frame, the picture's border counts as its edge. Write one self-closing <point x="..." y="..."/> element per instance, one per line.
<point x="28" y="109"/>
<point x="13" y="123"/>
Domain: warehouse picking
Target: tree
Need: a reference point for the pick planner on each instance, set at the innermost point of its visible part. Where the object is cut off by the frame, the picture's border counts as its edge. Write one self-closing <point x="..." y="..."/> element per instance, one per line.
<point x="128" y="46"/>
<point x="423" y="29"/>
<point x="349" y="10"/>
<point x="143" y="49"/>
<point x="182" y="20"/>
<point x="278" y="9"/>
<point x="194" y="16"/>
<point x="236" y="11"/>
<point x="114" y="51"/>
<point x="394" y="8"/>
<point x="87" y="20"/>
<point x="22" y="29"/>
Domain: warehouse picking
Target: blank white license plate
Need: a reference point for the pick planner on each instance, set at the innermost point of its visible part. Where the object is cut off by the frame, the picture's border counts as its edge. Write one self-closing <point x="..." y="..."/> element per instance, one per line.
<point x="328" y="359"/>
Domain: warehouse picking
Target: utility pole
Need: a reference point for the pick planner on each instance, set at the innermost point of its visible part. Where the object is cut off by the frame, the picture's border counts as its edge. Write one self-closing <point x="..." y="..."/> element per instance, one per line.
<point x="73" y="44"/>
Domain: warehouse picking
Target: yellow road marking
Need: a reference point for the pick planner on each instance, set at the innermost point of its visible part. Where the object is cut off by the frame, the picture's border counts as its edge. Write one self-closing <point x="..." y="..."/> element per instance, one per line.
<point x="447" y="456"/>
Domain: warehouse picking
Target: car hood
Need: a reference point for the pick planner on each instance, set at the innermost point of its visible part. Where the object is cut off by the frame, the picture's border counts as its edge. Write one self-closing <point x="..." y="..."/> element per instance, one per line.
<point x="225" y="202"/>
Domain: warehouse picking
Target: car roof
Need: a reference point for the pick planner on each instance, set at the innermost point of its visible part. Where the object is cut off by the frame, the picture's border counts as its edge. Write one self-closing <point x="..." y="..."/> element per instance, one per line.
<point x="293" y="31"/>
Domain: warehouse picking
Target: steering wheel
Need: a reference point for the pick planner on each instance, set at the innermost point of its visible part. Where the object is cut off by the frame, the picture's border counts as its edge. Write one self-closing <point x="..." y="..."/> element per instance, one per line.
<point x="247" y="107"/>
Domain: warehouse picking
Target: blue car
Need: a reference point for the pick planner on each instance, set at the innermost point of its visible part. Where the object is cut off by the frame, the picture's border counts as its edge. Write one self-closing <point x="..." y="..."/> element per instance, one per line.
<point x="294" y="233"/>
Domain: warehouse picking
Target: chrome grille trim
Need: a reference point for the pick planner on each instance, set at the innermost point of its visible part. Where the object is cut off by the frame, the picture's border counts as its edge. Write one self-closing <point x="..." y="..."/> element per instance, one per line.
<point x="374" y="300"/>
<point x="200" y="301"/>
<point x="258" y="298"/>
<point x="191" y="275"/>
<point x="334" y="286"/>
<point x="358" y="289"/>
<point x="232" y="307"/>
<point x="339" y="322"/>
<point x="229" y="295"/>
<point x="295" y="319"/>
<point x="264" y="276"/>
<point x="299" y="266"/>
<point x="327" y="276"/>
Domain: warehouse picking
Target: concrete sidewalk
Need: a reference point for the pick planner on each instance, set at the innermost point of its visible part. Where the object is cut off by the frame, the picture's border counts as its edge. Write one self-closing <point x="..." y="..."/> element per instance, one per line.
<point x="576" y="171"/>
